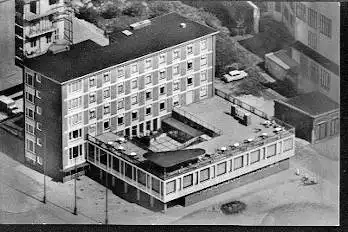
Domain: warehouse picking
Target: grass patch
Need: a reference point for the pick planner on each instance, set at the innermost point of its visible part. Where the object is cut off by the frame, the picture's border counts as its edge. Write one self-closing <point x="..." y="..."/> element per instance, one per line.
<point x="283" y="87"/>
<point x="233" y="207"/>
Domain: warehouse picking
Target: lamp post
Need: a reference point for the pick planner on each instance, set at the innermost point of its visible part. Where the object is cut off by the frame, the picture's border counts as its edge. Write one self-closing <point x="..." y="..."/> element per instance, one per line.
<point x="106" y="198"/>
<point x="75" y="207"/>
<point x="44" y="197"/>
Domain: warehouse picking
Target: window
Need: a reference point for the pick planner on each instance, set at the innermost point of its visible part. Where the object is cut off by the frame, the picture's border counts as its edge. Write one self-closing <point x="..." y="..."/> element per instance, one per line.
<point x="134" y="99"/>
<point x="176" y="85"/>
<point x="75" y="119"/>
<point x="334" y="126"/>
<point x="176" y="70"/>
<point x="204" y="44"/>
<point x="33" y="43"/>
<point x="39" y="126"/>
<point x="38" y="94"/>
<point x="278" y="6"/>
<point x="148" y="95"/>
<point x="92" y="82"/>
<point x="162" y="74"/>
<point x="148" y="79"/>
<point x="39" y="160"/>
<point x="162" y="106"/>
<point x="155" y="185"/>
<point x="312" y="40"/>
<point x="221" y="169"/>
<point x="148" y="63"/>
<point x="134" y="115"/>
<point x="325" y="79"/>
<point x="314" y="72"/>
<point x="74" y="103"/>
<point x="120" y="88"/>
<point x="134" y="68"/>
<point x="29" y="113"/>
<point x="204" y="175"/>
<point x="301" y="11"/>
<point x="287" y="145"/>
<point x="92" y="97"/>
<point x="29" y="97"/>
<point x="75" y="134"/>
<point x="170" y="188"/>
<point x="204" y="60"/>
<point x="106" y="93"/>
<point x="38" y="78"/>
<point x="189" y="65"/>
<point x="189" y="49"/>
<point x="203" y="91"/>
<point x="30" y="145"/>
<point x="120" y="104"/>
<point x="312" y="18"/>
<point x="254" y="156"/>
<point x="51" y="2"/>
<point x="128" y="170"/>
<point x="189" y="80"/>
<point x="204" y="76"/>
<point x="148" y="110"/>
<point x="56" y="34"/>
<point x="322" y="129"/>
<point x="29" y="128"/>
<point x="33" y="7"/>
<point x="75" y="151"/>
<point x="271" y="150"/>
<point x="48" y="38"/>
<point x="92" y="129"/>
<point x="325" y="25"/>
<point x="188" y="180"/>
<point x="162" y="59"/>
<point x="176" y="100"/>
<point x="238" y="162"/>
<point x="106" y="77"/>
<point x="286" y="13"/>
<point x="176" y="54"/>
<point x="106" y="125"/>
<point x="107" y="109"/>
<point x="38" y="110"/>
<point x="120" y="72"/>
<point x="304" y="66"/>
<point x="92" y="114"/>
<point x="29" y="79"/>
<point x="75" y="86"/>
<point x="162" y="89"/>
<point x="119" y="120"/>
<point x="134" y="83"/>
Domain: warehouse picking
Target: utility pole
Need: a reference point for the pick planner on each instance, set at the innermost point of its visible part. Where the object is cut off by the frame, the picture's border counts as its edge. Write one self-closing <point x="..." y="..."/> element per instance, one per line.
<point x="106" y="198"/>
<point x="75" y="207"/>
<point x="45" y="153"/>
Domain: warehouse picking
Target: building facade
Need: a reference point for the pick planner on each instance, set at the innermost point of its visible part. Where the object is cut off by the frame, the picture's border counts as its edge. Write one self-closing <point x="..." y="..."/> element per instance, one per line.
<point x="127" y="98"/>
<point x="316" y="29"/>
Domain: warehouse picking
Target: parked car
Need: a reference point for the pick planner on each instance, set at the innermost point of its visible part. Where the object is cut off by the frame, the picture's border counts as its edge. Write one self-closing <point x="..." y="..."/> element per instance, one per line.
<point x="234" y="75"/>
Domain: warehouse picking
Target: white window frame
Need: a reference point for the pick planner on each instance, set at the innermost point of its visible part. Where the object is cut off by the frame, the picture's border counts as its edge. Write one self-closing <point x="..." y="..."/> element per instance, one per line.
<point x="135" y="80"/>
<point x="104" y="121"/>
<point x="187" y="80"/>
<point x="187" y="64"/>
<point x="148" y="91"/>
<point x="205" y="75"/>
<point x="38" y="94"/>
<point x="135" y="96"/>
<point x="177" y="66"/>
<point x="165" y="90"/>
<point x="106" y="77"/>
<point x="106" y="106"/>
<point x="118" y="117"/>
<point x="94" y="97"/>
<point x="164" y="75"/>
<point x="176" y="51"/>
<point x="92" y="112"/>
<point x="120" y="72"/>
<point x="38" y="110"/>
<point x="39" y="126"/>
<point x="147" y="78"/>
<point x="38" y="78"/>
<point x="106" y="90"/>
<point x="92" y="79"/>
<point x="134" y="69"/>
<point x="118" y="88"/>
<point x="203" y="91"/>
<point x="118" y="104"/>
<point x="204" y="58"/>
<point x="137" y="115"/>
<point x="204" y="44"/>
<point x="159" y="105"/>
<point x="148" y="107"/>
<point x="148" y="64"/>
<point x="162" y="58"/>
<point x="188" y="48"/>
<point x="176" y="99"/>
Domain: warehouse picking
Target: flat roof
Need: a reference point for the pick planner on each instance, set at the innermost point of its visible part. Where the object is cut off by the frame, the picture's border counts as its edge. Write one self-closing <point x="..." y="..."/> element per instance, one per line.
<point x="320" y="59"/>
<point x="282" y="59"/>
<point x="216" y="111"/>
<point x="171" y="158"/>
<point x="313" y="103"/>
<point x="182" y="127"/>
<point x="88" y="57"/>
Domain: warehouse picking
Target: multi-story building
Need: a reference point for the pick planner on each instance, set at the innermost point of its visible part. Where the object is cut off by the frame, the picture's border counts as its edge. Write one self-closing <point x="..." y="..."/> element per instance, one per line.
<point x="40" y="23"/>
<point x="316" y="29"/>
<point x="126" y="87"/>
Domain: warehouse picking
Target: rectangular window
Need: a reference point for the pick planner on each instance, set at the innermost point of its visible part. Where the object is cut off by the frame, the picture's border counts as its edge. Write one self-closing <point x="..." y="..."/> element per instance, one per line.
<point x="176" y="54"/>
<point x="271" y="150"/>
<point x="189" y="65"/>
<point x="39" y="160"/>
<point x="120" y="104"/>
<point x="176" y="70"/>
<point x="287" y="145"/>
<point x="170" y="188"/>
<point x="39" y="126"/>
<point x="106" y="125"/>
<point x="75" y="86"/>
<point x="38" y="78"/>
<point x="162" y="90"/>
<point x="29" y="97"/>
<point x="204" y="44"/>
<point x="148" y="64"/>
<point x="92" y="114"/>
<point x="254" y="156"/>
<point x="134" y="115"/>
<point x="29" y="128"/>
<point x="119" y="120"/>
<point x="148" y="110"/>
<point x="38" y="110"/>
<point x="203" y="91"/>
<point x="29" y="113"/>
<point x="148" y="95"/>
<point x="238" y="162"/>
<point x="107" y="109"/>
<point x="189" y="49"/>
<point x="203" y="76"/>
<point x="155" y="185"/>
<point x="33" y="43"/>
<point x="162" y="59"/>
<point x="106" y="77"/>
<point x="204" y="60"/>
<point x="322" y="127"/>
<point x="142" y="177"/>
<point x="48" y="38"/>
<point x="56" y="34"/>
<point x="204" y="175"/>
<point x="75" y="119"/>
<point x="162" y="74"/>
<point x="176" y="100"/>
<point x="120" y="88"/>
<point x="325" y="25"/>
<point x="148" y="79"/>
<point x="38" y="94"/>
<point x="334" y="126"/>
<point x="106" y="93"/>
<point x="188" y="180"/>
<point x="162" y="106"/>
<point x="120" y="72"/>
<point x="92" y="98"/>
<point x="75" y="134"/>
<point x="92" y="129"/>
<point x="115" y="164"/>
<point x="30" y="145"/>
<point x="221" y="169"/>
<point x="325" y="79"/>
<point x="75" y="151"/>
<point x="286" y="13"/>
<point x="29" y="79"/>
<point x="74" y="103"/>
<point x="33" y="7"/>
<point x="128" y="170"/>
<point x="278" y="6"/>
<point x="314" y="72"/>
<point x="189" y="80"/>
<point x="312" y="40"/>
<point x="312" y="18"/>
<point x="134" y="99"/>
<point x="92" y="82"/>
<point x="134" y="68"/>
<point x="176" y="85"/>
<point x="134" y="83"/>
<point x="304" y="66"/>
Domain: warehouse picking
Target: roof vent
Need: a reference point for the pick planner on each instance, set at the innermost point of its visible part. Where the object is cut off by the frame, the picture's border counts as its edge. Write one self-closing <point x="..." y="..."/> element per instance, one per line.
<point x="110" y="142"/>
<point x="183" y="25"/>
<point x="133" y="154"/>
<point x="127" y="33"/>
<point x="141" y="24"/>
<point x="121" y="148"/>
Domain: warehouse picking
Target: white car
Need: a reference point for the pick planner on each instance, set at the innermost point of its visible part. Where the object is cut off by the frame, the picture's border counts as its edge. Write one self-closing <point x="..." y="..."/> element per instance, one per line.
<point x="235" y="75"/>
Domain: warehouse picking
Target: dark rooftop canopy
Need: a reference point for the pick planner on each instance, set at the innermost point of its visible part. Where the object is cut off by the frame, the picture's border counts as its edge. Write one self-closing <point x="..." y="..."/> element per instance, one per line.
<point x="171" y="158"/>
<point x="314" y="103"/>
<point x="84" y="58"/>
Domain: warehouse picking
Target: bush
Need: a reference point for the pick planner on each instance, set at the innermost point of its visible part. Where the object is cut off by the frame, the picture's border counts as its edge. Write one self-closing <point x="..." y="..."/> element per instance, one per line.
<point x="111" y="11"/>
<point x="135" y="9"/>
<point x="233" y="207"/>
<point x="88" y="14"/>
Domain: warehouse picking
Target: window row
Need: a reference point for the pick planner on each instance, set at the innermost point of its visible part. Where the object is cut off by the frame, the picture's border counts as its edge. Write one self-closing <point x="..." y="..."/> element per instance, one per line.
<point x="29" y="79"/>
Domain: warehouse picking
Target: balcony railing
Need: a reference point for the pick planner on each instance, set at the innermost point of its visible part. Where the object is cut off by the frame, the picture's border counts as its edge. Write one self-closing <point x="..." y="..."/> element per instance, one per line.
<point x="40" y="31"/>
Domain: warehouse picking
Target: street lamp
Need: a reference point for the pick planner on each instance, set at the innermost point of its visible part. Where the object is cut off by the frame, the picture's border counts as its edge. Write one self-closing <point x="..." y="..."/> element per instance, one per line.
<point x="45" y="152"/>
<point x="75" y="207"/>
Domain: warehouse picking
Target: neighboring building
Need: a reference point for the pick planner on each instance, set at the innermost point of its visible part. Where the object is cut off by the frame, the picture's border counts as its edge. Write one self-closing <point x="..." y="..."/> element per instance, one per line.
<point x="126" y="87"/>
<point x="10" y="74"/>
<point x="314" y="116"/>
<point x="316" y="29"/>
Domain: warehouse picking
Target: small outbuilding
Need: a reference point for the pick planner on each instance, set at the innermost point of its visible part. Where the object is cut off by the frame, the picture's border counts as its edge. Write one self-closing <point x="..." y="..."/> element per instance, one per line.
<point x="314" y="116"/>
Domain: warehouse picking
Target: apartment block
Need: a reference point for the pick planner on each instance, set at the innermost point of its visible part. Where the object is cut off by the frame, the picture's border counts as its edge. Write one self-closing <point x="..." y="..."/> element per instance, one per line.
<point x="316" y="29"/>
<point x="126" y="88"/>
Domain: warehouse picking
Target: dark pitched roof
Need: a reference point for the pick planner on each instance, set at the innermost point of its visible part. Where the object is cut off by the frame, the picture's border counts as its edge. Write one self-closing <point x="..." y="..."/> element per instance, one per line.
<point x="86" y="57"/>
<point x="314" y="103"/>
<point x="322" y="60"/>
<point x="171" y="158"/>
